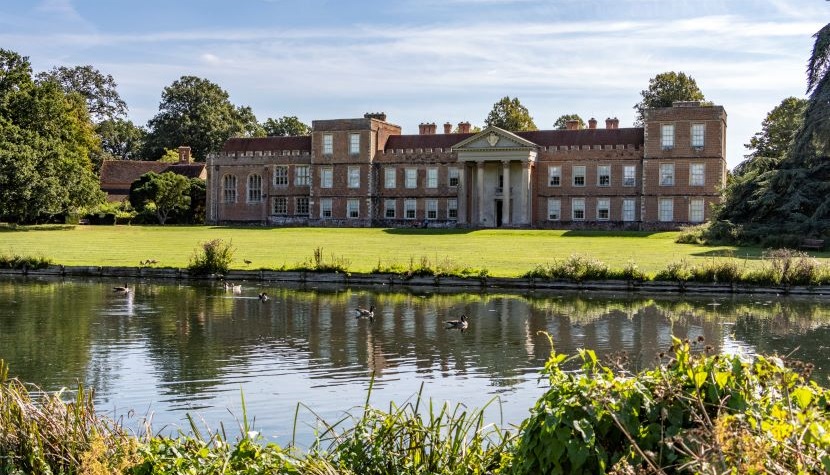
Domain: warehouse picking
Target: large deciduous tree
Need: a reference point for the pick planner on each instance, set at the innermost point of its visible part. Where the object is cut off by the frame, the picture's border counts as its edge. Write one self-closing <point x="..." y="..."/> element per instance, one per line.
<point x="510" y="114"/>
<point x="198" y="113"/>
<point x="562" y="122"/>
<point x="286" y="126"/>
<point x="161" y="194"/>
<point x="664" y="89"/>
<point x="120" y="140"/>
<point x="98" y="90"/>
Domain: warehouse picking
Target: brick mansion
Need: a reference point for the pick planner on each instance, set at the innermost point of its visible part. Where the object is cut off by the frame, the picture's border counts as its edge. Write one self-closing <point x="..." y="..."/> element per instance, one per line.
<point x="364" y="172"/>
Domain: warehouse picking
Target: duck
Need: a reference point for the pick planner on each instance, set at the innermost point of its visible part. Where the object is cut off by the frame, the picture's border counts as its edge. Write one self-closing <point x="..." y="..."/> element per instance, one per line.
<point x="263" y="297"/>
<point x="233" y="288"/>
<point x="366" y="313"/>
<point x="460" y="324"/>
<point x="123" y="290"/>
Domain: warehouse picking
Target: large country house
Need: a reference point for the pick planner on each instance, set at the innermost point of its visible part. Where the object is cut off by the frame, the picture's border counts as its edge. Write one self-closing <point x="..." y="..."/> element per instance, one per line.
<point x="364" y="172"/>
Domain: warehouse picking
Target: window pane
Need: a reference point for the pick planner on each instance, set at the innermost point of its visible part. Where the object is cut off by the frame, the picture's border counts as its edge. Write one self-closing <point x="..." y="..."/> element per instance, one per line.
<point x="354" y="177"/>
<point x="604" y="175"/>
<point x="452" y="208"/>
<point x="301" y="175"/>
<point x="389" y="208"/>
<point x="281" y="176"/>
<point x="452" y="174"/>
<point x="432" y="209"/>
<point x="667" y="174"/>
<point x="328" y="144"/>
<point x="667" y="136"/>
<point x="254" y="189"/>
<point x="301" y="206"/>
<point x="354" y="144"/>
<point x="432" y="178"/>
<point x="578" y="209"/>
<point x="411" y="178"/>
<point x="554" y="175"/>
<point x="698" y="135"/>
<point x="554" y="209"/>
<point x="579" y="176"/>
<point x="629" y="177"/>
<point x="389" y="177"/>
<point x="697" y="173"/>
<point x="280" y="205"/>
<point x="666" y="209"/>
<point x="603" y="209"/>
<point x="628" y="210"/>
<point x="696" y="209"/>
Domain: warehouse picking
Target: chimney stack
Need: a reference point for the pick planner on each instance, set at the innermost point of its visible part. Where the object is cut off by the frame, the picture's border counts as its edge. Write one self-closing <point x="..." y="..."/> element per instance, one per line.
<point x="612" y="123"/>
<point x="447" y="128"/>
<point x="375" y="115"/>
<point x="184" y="154"/>
<point x="425" y="128"/>
<point x="463" y="127"/>
<point x="422" y="129"/>
<point x="572" y="124"/>
<point x="431" y="127"/>
<point x="592" y="123"/>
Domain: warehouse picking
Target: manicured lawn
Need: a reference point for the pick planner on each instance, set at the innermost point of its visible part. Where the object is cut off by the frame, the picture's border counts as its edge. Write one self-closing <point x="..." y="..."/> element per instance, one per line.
<point x="502" y="252"/>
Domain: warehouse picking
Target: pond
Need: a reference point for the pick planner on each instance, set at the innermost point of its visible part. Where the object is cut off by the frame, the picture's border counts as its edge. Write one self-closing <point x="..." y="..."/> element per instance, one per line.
<point x="167" y="349"/>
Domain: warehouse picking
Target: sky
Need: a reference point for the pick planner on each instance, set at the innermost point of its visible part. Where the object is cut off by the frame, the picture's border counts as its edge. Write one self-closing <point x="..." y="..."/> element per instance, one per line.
<point x="431" y="60"/>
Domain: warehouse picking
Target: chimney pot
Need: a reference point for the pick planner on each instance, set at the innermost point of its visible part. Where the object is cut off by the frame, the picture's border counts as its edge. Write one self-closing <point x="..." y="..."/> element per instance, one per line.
<point x="592" y="123"/>
<point x="447" y="128"/>
<point x="184" y="154"/>
<point x="612" y="123"/>
<point x="572" y="124"/>
<point x="463" y="127"/>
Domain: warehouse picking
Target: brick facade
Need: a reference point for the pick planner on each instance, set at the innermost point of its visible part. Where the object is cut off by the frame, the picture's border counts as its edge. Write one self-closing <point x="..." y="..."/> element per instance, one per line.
<point x="364" y="172"/>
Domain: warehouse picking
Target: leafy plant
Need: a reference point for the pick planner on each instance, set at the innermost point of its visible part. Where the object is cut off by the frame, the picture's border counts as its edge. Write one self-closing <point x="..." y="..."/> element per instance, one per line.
<point x="15" y="261"/>
<point x="215" y="257"/>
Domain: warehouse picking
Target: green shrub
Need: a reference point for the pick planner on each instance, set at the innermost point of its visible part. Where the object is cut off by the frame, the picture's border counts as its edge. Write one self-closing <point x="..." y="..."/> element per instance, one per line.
<point x="425" y="267"/>
<point x="576" y="267"/>
<point x="16" y="261"/>
<point x="716" y="271"/>
<point x="675" y="271"/>
<point x="693" y="234"/>
<point x="318" y="263"/>
<point x="789" y="267"/>
<point x="215" y="257"/>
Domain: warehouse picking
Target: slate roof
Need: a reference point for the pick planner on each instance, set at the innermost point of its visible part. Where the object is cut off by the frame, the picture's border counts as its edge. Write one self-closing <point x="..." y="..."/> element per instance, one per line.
<point x="543" y="138"/>
<point x="264" y="144"/>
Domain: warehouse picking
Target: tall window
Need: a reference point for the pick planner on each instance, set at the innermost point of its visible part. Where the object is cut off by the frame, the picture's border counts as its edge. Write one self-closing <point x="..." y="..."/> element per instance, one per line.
<point x="629" y="175"/>
<point x="389" y="207"/>
<point x="554" y="175"/>
<point x="667" y="174"/>
<point x="452" y="176"/>
<point x="452" y="208"/>
<point x="302" y="175"/>
<point x="411" y="178"/>
<point x="604" y="175"/>
<point x="603" y="209"/>
<point x="578" y="209"/>
<point x="409" y="208"/>
<point x="696" y="206"/>
<point x="579" y="175"/>
<point x="254" y="188"/>
<point x="432" y="178"/>
<point x="628" y="212"/>
<point x="698" y="131"/>
<point x="352" y="208"/>
<point x="389" y="177"/>
<point x="697" y="174"/>
<point x="301" y="206"/>
<point x="325" y="208"/>
<point x="354" y="144"/>
<point x="328" y="144"/>
<point x="666" y="210"/>
<point x="281" y="175"/>
<point x="326" y="177"/>
<point x="667" y="136"/>
<point x="354" y="177"/>
<point x="432" y="209"/>
<point x="554" y="209"/>
<point x="280" y="206"/>
<point x="229" y="182"/>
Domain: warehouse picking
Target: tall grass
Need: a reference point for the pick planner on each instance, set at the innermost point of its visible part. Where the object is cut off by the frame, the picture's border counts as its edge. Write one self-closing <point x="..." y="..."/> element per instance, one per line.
<point x="214" y="257"/>
<point x="10" y="260"/>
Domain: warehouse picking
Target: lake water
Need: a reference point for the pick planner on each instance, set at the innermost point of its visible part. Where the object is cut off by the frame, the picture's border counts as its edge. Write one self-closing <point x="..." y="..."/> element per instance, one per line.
<point x="168" y="349"/>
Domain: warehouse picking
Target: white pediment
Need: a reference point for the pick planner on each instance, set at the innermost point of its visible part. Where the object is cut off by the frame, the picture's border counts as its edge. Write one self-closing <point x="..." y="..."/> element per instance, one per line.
<point x="493" y="138"/>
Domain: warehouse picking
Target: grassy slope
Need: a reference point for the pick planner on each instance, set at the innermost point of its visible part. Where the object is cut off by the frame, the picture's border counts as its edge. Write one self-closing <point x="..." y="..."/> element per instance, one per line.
<point x="502" y="252"/>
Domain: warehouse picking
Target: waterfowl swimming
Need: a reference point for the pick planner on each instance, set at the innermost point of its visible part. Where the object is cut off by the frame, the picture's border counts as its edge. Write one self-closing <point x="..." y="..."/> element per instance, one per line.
<point x="123" y="290"/>
<point x="233" y="288"/>
<point x="366" y="313"/>
<point x="263" y="297"/>
<point x="460" y="324"/>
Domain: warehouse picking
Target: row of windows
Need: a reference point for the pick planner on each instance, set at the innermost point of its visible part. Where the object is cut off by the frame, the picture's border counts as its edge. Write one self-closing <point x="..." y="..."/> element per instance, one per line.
<point x="390" y="208"/>
<point x="628" y="210"/>
<point x="696" y="133"/>
<point x="697" y="175"/>
<point x="354" y="144"/>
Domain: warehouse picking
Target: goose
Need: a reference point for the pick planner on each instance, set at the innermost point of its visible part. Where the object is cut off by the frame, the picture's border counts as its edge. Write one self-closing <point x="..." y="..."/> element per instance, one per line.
<point x="233" y="288"/>
<point x="459" y="324"/>
<point x="366" y="313"/>
<point x="123" y="290"/>
<point x="263" y="297"/>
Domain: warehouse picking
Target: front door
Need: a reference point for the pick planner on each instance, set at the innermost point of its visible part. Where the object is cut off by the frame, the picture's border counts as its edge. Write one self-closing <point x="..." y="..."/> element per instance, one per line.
<point x="498" y="213"/>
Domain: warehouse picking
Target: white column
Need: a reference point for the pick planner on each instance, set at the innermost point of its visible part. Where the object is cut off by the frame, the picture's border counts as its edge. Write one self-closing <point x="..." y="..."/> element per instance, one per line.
<point x="523" y="195"/>
<point x="480" y="177"/>
<point x="462" y="193"/>
<point x="505" y="216"/>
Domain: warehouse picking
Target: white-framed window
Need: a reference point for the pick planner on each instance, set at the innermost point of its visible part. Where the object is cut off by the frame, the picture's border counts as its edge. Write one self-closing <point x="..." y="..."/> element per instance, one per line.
<point x="389" y="208"/>
<point x="432" y="177"/>
<point x="696" y="210"/>
<point x="432" y="209"/>
<point x="698" y="135"/>
<point x="667" y="174"/>
<point x="411" y="178"/>
<point x="629" y="175"/>
<point x="302" y="175"/>
<point x="554" y="175"/>
<point x="390" y="177"/>
<point x="301" y="206"/>
<point x="666" y="208"/>
<point x="554" y="209"/>
<point x="326" y="177"/>
<point x="352" y="208"/>
<point x="279" y="205"/>
<point x="697" y="174"/>
<point x="229" y="188"/>
<point x="354" y="144"/>
<point x="325" y="208"/>
<point x="452" y="208"/>
<point x="578" y="209"/>
<point x="281" y="175"/>
<point x="409" y="208"/>
<point x="603" y="175"/>
<point x="452" y="176"/>
<point x="667" y="136"/>
<point x="628" y="212"/>
<point x="354" y="177"/>
<point x="603" y="209"/>
<point x="328" y="144"/>
<point x="254" y="188"/>
<point x="579" y="175"/>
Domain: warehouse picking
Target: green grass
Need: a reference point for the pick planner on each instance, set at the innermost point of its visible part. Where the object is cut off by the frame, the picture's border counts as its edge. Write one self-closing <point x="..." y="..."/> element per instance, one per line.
<point x="501" y="252"/>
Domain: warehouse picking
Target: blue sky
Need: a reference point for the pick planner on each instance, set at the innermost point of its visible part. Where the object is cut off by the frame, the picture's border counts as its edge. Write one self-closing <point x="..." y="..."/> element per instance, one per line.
<point x="431" y="60"/>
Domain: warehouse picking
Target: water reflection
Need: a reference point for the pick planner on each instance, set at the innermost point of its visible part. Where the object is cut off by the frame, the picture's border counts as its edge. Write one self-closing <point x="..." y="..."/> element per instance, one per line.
<point x="165" y="348"/>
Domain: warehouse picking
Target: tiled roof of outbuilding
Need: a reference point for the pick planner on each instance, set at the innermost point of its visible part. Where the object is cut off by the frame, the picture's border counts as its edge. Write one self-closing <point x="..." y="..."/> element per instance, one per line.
<point x="263" y="144"/>
<point x="127" y="171"/>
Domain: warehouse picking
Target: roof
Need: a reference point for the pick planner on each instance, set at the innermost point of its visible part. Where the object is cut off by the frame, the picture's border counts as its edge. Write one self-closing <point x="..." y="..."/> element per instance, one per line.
<point x="543" y="138"/>
<point x="120" y="174"/>
<point x="189" y="170"/>
<point x="263" y="144"/>
<point x="425" y="141"/>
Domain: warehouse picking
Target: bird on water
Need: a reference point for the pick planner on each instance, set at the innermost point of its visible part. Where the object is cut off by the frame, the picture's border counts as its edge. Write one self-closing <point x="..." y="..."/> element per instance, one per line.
<point x="122" y="290"/>
<point x="366" y="312"/>
<point x="460" y="324"/>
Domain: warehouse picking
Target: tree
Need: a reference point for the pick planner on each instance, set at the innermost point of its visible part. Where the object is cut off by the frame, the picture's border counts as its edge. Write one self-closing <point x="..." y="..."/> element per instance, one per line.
<point x="99" y="91"/>
<point x="664" y="89"/>
<point x="120" y="139"/>
<point x="170" y="156"/>
<point x="510" y="114"/>
<point x="161" y="194"/>
<point x="778" y="129"/>
<point x="196" y="112"/>
<point x="286" y="126"/>
<point x="562" y="122"/>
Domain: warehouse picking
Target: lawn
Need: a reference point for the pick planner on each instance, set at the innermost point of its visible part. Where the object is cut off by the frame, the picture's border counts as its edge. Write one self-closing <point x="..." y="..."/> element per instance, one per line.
<point x="502" y="252"/>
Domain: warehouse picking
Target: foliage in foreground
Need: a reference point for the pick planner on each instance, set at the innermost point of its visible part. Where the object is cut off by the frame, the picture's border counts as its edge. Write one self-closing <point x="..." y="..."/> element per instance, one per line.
<point x="10" y="260"/>
<point x="215" y="257"/>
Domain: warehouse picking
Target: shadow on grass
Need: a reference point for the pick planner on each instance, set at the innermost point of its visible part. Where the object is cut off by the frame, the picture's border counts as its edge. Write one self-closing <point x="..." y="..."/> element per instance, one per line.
<point x="14" y="228"/>
<point x="428" y="231"/>
<point x="599" y="233"/>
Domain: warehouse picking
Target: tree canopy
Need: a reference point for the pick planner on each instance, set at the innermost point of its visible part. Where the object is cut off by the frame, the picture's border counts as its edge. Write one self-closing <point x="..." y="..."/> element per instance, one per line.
<point x="510" y="114"/>
<point x="99" y="91"/>
<point x="666" y="88"/>
<point x="161" y="194"/>
<point x="199" y="113"/>
<point x="562" y="122"/>
<point x="286" y="126"/>
<point x="120" y="139"/>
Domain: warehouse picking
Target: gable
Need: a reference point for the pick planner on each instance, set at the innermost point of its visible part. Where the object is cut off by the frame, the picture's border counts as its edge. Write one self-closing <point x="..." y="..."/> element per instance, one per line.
<point x="494" y="138"/>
